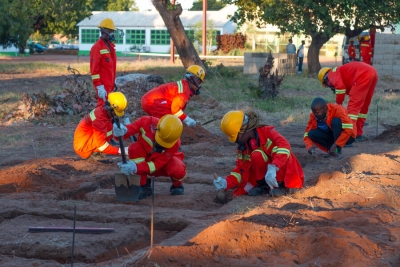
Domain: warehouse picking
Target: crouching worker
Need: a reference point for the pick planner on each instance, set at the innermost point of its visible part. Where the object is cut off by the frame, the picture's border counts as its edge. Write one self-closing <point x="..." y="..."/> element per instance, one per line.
<point x="330" y="128"/>
<point x="156" y="151"/>
<point x="265" y="164"/>
<point x="93" y="135"/>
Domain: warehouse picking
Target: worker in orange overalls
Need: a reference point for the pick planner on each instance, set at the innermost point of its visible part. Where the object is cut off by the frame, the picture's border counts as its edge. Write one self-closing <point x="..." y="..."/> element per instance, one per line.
<point x="358" y="81"/>
<point x="264" y="164"/>
<point x="351" y="50"/>
<point x="156" y="151"/>
<point x="365" y="50"/>
<point x="329" y="128"/>
<point x="95" y="130"/>
<point x="172" y="98"/>
<point x="103" y="61"/>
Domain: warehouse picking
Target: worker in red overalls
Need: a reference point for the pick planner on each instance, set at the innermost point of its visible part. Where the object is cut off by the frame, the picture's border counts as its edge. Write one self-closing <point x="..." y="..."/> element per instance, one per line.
<point x="103" y="61"/>
<point x="172" y="98"/>
<point x="351" y="50"/>
<point x="94" y="132"/>
<point x="265" y="164"/>
<point x="156" y="151"/>
<point x="365" y="50"/>
<point x="358" y="81"/>
<point x="329" y="128"/>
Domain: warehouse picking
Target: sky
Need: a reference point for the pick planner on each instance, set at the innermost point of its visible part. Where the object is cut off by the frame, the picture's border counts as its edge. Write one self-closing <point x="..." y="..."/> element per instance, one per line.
<point x="146" y="4"/>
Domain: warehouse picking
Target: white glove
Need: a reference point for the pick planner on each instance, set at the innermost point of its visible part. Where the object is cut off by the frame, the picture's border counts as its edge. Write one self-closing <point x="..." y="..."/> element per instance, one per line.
<point x="270" y="177"/>
<point x="189" y="122"/>
<point x="126" y="121"/>
<point x="101" y="92"/>
<point x="126" y="151"/>
<point x="220" y="183"/>
<point x="127" y="168"/>
<point x="119" y="131"/>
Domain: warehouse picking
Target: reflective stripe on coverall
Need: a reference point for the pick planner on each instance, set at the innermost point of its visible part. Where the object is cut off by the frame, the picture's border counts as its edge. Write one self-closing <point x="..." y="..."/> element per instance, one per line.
<point x="366" y="52"/>
<point x="358" y="80"/>
<point x="103" y="67"/>
<point x="94" y="133"/>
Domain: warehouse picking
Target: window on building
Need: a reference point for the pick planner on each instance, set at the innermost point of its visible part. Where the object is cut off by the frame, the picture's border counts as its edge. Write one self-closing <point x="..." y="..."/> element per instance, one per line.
<point x="118" y="39"/>
<point x="90" y="36"/>
<point x="136" y="37"/>
<point x="159" y="37"/>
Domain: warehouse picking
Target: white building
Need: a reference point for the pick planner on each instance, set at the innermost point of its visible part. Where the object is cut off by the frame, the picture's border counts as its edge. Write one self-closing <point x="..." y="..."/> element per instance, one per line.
<point x="147" y="29"/>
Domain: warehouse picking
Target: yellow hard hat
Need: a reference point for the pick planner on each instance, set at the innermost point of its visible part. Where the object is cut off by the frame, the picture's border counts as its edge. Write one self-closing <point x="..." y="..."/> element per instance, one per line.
<point x="197" y="71"/>
<point x="107" y="23"/>
<point x="366" y="38"/>
<point x="321" y="74"/>
<point x="231" y="124"/>
<point x="118" y="103"/>
<point x="169" y="130"/>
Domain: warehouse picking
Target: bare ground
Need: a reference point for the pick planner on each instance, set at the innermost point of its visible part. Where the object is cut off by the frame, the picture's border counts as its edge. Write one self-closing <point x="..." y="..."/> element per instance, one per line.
<point x="347" y="215"/>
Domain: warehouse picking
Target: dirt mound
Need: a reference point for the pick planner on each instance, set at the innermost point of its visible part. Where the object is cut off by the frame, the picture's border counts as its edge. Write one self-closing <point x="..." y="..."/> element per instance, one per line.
<point x="198" y="134"/>
<point x="391" y="135"/>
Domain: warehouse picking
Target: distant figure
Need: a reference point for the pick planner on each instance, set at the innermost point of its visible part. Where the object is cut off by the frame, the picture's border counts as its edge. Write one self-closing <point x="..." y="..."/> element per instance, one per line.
<point x="290" y="47"/>
<point x="351" y="50"/>
<point x="300" y="55"/>
<point x="366" y="50"/>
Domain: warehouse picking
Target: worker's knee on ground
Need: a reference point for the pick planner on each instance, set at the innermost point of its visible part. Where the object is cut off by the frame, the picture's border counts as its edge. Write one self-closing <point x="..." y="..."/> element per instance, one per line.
<point x="336" y="122"/>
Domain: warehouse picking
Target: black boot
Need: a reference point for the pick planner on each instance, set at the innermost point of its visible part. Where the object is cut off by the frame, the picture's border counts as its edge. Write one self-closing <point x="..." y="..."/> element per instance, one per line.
<point x="261" y="189"/>
<point x="280" y="191"/>
<point x="175" y="191"/>
<point x="145" y="190"/>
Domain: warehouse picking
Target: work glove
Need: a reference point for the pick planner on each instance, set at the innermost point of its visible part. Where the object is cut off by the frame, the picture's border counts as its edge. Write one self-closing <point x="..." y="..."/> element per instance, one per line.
<point x="189" y="122"/>
<point x="101" y="92"/>
<point x="311" y="150"/>
<point x="270" y="177"/>
<point x="332" y="150"/>
<point x="119" y="131"/>
<point x="126" y="121"/>
<point x="126" y="151"/>
<point x="128" y="168"/>
<point x="220" y="183"/>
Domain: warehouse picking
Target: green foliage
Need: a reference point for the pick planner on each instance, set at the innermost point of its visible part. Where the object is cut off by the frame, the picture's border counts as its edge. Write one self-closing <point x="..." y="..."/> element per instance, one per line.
<point x="198" y="33"/>
<point x="122" y="5"/>
<point x="211" y="5"/>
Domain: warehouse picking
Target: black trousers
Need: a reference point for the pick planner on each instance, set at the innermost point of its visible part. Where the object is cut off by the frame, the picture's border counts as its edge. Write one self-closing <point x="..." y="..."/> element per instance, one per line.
<point x="327" y="139"/>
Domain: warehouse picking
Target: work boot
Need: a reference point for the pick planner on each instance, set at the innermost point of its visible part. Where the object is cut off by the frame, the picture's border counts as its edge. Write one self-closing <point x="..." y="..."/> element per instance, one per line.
<point x="261" y="189"/>
<point x="175" y="191"/>
<point x="280" y="191"/>
<point x="360" y="138"/>
<point x="145" y="190"/>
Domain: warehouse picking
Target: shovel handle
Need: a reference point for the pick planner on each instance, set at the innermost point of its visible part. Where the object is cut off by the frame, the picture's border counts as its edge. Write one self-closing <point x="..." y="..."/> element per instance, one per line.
<point x="215" y="176"/>
<point x="121" y="143"/>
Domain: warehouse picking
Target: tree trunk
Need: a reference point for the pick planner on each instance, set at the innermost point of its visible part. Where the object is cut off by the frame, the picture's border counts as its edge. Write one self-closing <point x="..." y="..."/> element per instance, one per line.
<point x="170" y="15"/>
<point x="318" y="40"/>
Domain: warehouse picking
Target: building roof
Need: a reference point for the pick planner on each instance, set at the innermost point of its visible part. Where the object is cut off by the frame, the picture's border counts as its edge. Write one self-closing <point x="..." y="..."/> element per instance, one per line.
<point x="153" y="18"/>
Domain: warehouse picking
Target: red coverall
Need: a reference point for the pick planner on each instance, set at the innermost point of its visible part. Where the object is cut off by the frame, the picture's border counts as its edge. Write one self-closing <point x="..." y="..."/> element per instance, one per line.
<point x="169" y="98"/>
<point x="168" y="163"/>
<point x="334" y="111"/>
<point x="366" y="52"/>
<point x="352" y="52"/>
<point x="372" y="33"/>
<point x="358" y="80"/>
<point x="252" y="164"/>
<point x="93" y="133"/>
<point x="103" y="67"/>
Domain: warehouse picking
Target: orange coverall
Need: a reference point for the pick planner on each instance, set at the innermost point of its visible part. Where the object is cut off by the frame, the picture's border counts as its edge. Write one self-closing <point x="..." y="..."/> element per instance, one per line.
<point x="168" y="163"/>
<point x="103" y="67"/>
<point x="334" y="111"/>
<point x="169" y="98"/>
<point x="269" y="148"/>
<point x="351" y="50"/>
<point x="358" y="80"/>
<point x="366" y="52"/>
<point x="93" y="133"/>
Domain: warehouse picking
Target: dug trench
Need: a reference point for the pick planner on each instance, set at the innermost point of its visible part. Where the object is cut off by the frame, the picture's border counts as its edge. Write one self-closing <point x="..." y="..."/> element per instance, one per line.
<point x="349" y="207"/>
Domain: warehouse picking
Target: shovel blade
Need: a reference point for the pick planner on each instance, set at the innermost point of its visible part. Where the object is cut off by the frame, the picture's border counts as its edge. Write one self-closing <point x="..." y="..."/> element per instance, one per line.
<point x="127" y="188"/>
<point x="134" y="187"/>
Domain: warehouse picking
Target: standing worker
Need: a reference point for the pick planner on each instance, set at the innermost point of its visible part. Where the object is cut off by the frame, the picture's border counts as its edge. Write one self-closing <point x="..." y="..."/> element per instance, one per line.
<point x="351" y="50"/>
<point x="300" y="55"/>
<point x="172" y="98"/>
<point x="329" y="128"/>
<point x="264" y="164"/>
<point x="93" y="134"/>
<point x="365" y="50"/>
<point x="291" y="54"/>
<point x="156" y="151"/>
<point x="103" y="61"/>
<point x="358" y="81"/>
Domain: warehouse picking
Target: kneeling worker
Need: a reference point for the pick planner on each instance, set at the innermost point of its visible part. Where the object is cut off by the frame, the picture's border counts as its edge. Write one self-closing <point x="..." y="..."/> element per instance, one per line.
<point x="156" y="151"/>
<point x="265" y="164"/>
<point x="329" y="128"/>
<point x="93" y="135"/>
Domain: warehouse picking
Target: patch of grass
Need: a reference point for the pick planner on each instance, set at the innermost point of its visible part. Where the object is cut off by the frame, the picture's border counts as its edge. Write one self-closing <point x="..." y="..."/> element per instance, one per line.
<point x="29" y="67"/>
<point x="8" y="102"/>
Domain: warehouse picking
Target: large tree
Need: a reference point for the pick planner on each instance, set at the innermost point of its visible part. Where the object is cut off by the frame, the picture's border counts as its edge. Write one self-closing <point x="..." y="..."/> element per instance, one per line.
<point x="319" y="19"/>
<point x="211" y="5"/>
<point x="170" y="15"/>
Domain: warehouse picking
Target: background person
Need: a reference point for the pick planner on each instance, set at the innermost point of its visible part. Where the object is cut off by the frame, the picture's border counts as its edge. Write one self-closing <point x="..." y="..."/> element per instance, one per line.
<point x="300" y="55"/>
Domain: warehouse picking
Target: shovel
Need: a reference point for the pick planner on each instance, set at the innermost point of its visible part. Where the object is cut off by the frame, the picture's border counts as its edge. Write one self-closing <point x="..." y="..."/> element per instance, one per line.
<point x="127" y="187"/>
